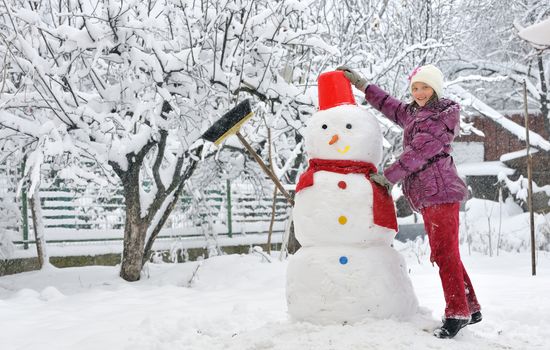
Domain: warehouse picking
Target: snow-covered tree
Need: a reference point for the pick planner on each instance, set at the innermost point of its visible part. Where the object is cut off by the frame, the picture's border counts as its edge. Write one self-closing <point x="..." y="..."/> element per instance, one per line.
<point x="493" y="61"/>
<point x="130" y="86"/>
<point x="20" y="144"/>
<point x="103" y="81"/>
<point x="127" y="88"/>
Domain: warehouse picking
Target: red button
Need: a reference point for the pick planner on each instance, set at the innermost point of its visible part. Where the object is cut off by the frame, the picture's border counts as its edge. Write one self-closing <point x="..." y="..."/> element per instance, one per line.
<point x="342" y="185"/>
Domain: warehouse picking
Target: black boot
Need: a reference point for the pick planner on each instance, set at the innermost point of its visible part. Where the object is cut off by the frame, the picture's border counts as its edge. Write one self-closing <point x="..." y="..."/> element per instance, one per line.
<point x="476" y="317"/>
<point x="450" y="327"/>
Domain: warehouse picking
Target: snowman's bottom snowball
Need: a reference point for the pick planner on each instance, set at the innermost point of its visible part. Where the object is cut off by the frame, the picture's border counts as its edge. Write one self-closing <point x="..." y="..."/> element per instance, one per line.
<point x="339" y="284"/>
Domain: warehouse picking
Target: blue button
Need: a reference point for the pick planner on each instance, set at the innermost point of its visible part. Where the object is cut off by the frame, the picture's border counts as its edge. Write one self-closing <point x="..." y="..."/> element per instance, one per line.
<point x="343" y="260"/>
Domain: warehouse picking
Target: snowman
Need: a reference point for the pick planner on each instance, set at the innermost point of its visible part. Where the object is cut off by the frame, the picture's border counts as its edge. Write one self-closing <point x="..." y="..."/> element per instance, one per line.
<point x="347" y="269"/>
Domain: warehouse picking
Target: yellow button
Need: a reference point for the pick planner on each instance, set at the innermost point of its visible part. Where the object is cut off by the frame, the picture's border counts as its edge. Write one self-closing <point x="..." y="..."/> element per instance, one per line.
<point x="342" y="220"/>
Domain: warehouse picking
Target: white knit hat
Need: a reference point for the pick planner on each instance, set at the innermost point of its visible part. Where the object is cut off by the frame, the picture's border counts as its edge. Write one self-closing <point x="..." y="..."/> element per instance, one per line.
<point x="428" y="74"/>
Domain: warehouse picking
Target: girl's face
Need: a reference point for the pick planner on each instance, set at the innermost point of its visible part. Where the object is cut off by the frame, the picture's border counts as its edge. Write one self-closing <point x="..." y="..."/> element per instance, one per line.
<point x="421" y="93"/>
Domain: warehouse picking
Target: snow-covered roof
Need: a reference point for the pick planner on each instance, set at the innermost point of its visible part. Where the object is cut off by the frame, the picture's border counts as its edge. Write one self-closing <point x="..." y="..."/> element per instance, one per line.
<point x="537" y="34"/>
<point x="517" y="154"/>
<point x="483" y="169"/>
<point x="469" y="100"/>
<point x="533" y="111"/>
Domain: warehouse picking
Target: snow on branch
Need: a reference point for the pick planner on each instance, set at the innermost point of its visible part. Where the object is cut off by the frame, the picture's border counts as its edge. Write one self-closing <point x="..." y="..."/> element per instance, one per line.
<point x="475" y="77"/>
<point x="428" y="44"/>
<point x="520" y="187"/>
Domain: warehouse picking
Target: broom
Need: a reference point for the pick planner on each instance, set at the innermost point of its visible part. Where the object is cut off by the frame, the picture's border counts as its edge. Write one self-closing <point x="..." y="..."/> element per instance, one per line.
<point x="230" y="124"/>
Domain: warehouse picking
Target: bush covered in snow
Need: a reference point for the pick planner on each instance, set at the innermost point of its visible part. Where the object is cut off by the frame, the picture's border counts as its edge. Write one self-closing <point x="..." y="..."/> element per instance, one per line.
<point x="488" y="227"/>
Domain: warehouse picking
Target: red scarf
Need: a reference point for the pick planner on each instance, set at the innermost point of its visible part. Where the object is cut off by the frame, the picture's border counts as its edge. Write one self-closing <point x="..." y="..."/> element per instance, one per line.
<point x="382" y="204"/>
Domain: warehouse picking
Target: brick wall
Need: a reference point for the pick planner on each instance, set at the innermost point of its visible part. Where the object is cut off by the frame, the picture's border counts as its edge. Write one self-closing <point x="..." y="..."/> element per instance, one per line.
<point x="499" y="141"/>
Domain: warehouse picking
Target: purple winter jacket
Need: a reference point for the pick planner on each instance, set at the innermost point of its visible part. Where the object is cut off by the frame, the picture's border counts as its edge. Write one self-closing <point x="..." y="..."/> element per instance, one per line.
<point x="427" y="170"/>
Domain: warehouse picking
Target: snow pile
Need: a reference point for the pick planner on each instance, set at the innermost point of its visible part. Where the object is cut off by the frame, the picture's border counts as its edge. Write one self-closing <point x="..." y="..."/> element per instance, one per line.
<point x="490" y="227"/>
<point x="238" y="302"/>
<point x="537" y="33"/>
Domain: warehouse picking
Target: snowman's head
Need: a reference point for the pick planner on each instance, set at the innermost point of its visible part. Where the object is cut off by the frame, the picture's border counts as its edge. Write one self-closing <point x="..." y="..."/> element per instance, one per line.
<point x="346" y="132"/>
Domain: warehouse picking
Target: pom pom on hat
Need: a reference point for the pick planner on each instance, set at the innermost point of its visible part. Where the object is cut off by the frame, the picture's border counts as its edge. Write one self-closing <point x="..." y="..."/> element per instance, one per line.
<point x="430" y="75"/>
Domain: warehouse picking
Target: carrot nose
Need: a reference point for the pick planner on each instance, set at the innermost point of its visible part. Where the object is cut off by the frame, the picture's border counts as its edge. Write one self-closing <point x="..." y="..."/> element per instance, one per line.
<point x="333" y="139"/>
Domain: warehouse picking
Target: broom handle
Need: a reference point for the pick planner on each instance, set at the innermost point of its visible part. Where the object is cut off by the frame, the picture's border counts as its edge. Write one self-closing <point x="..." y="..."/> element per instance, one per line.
<point x="265" y="168"/>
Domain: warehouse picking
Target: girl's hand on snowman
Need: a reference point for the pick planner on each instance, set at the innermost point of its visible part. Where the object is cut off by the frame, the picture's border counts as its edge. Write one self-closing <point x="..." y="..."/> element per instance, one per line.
<point x="382" y="181"/>
<point x="355" y="78"/>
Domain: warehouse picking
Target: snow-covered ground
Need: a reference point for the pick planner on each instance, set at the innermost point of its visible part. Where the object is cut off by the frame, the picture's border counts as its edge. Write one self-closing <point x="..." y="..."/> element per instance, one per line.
<point x="238" y="302"/>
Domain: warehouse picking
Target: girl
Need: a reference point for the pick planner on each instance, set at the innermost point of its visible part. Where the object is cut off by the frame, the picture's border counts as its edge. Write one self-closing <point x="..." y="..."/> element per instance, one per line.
<point x="430" y="181"/>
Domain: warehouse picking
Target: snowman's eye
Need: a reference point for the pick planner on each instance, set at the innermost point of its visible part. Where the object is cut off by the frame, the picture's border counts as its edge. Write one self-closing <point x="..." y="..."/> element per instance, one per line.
<point x="324" y="126"/>
<point x="348" y="126"/>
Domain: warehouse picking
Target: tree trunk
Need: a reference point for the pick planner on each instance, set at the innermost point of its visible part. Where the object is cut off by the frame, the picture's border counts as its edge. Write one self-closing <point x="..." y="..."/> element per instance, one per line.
<point x="148" y="250"/>
<point x="38" y="226"/>
<point x="272" y="220"/>
<point x="134" y="242"/>
<point x="136" y="252"/>
<point x="135" y="227"/>
<point x="293" y="244"/>
<point x="544" y="98"/>
<point x="180" y="181"/>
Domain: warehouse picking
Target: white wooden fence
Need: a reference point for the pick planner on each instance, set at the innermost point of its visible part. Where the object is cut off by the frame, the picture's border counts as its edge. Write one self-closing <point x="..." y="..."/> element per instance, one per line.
<point x="91" y="214"/>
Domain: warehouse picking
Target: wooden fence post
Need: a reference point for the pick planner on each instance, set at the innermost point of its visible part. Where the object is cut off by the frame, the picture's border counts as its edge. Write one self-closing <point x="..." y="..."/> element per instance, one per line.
<point x="24" y="210"/>
<point x="530" y="181"/>
<point x="229" y="216"/>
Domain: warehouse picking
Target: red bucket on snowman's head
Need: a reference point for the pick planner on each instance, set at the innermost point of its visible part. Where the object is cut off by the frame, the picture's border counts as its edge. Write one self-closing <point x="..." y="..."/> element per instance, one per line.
<point x="334" y="90"/>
